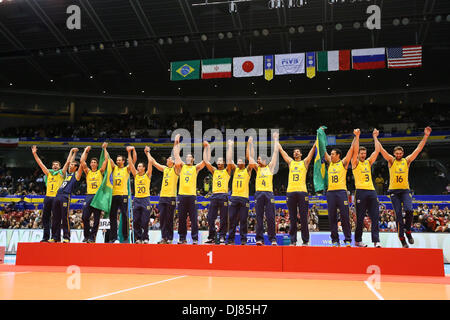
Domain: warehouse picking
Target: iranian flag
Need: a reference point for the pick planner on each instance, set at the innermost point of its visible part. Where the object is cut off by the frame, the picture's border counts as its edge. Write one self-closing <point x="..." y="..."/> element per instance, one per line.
<point x="9" y="142"/>
<point x="337" y="60"/>
<point x="216" y="68"/>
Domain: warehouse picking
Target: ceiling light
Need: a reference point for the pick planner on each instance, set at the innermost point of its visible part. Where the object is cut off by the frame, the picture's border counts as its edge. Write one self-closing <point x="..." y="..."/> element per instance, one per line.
<point x="229" y="35"/>
<point x="58" y="51"/>
<point x="256" y="33"/>
<point x="135" y="43"/>
<point x="301" y="29"/>
<point x="221" y="35"/>
<point x="204" y="37"/>
<point x="291" y="30"/>
<point x="169" y="40"/>
<point x="356" y="25"/>
<point x="127" y="44"/>
<point x="265" y="32"/>
<point x="396" y="22"/>
<point x="101" y="46"/>
<point x="92" y="47"/>
<point x="161" y="41"/>
<point x="319" y="28"/>
<point x="186" y="39"/>
<point x="438" y="19"/>
<point x="338" y="26"/>
<point x="75" y="49"/>
<point x="405" y="21"/>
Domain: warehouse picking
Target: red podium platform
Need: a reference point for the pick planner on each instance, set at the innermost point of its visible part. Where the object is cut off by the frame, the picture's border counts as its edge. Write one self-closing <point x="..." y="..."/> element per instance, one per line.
<point x="391" y="261"/>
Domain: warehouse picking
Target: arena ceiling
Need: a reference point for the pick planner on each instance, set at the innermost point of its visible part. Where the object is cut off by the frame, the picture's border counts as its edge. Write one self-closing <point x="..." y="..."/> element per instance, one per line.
<point x="38" y="51"/>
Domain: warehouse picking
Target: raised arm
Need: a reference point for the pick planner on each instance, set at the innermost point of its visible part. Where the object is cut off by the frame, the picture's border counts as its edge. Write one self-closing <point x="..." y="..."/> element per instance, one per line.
<point x="230" y="163"/>
<point x="202" y="164"/>
<point x="273" y="162"/>
<point x="207" y="157"/>
<point x="310" y="155"/>
<point x="82" y="159"/>
<point x="71" y="156"/>
<point x="131" y="166"/>
<point x="156" y="164"/>
<point x="388" y="157"/>
<point x="354" y="159"/>
<point x="252" y="164"/>
<point x="374" y="155"/>
<point x="131" y="151"/>
<point x="348" y="156"/>
<point x="134" y="155"/>
<point x="108" y="157"/>
<point x="105" y="161"/>
<point x="284" y="154"/>
<point x="83" y="164"/>
<point x="419" y="148"/>
<point x="176" y="153"/>
<point x="39" y="161"/>
<point x="149" y="161"/>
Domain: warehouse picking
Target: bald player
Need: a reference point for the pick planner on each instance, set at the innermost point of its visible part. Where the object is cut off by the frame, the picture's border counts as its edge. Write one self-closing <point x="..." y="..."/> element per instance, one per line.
<point x="337" y="198"/>
<point x="187" y="193"/>
<point x="54" y="177"/>
<point x="399" y="187"/>
<point x="264" y="199"/>
<point x="297" y="193"/>
<point x="141" y="202"/>
<point x="365" y="195"/>
<point x="94" y="178"/>
<point x="219" y="197"/>
<point x="239" y="201"/>
<point x="167" y="198"/>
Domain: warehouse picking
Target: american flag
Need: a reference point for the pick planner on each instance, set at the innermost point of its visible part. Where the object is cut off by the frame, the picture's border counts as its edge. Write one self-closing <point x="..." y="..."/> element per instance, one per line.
<point x="405" y="57"/>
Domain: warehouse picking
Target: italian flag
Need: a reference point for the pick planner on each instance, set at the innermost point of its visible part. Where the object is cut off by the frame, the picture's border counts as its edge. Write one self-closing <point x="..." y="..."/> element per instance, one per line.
<point x="216" y="68"/>
<point x="338" y="60"/>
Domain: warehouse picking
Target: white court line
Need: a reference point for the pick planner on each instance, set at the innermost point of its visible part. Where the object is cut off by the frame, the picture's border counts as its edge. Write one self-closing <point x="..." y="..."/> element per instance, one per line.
<point x="13" y="273"/>
<point x="375" y="292"/>
<point x="138" y="287"/>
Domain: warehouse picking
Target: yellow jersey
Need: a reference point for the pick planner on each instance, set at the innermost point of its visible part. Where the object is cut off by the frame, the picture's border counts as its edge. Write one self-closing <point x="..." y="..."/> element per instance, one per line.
<point x="399" y="175"/>
<point x="297" y="177"/>
<point x="220" y="181"/>
<point x="188" y="181"/>
<point x="93" y="181"/>
<point x="169" y="183"/>
<point x="337" y="176"/>
<point x="264" y="179"/>
<point x="142" y="186"/>
<point x="120" y="181"/>
<point x="363" y="176"/>
<point x="53" y="184"/>
<point x="241" y="179"/>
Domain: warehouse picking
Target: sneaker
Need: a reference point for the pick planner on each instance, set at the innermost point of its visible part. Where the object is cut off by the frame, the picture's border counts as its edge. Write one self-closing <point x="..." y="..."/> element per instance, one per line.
<point x="182" y="242"/>
<point x="404" y="244"/>
<point x="85" y="240"/>
<point x="52" y="241"/>
<point x="293" y="244"/>
<point x="145" y="241"/>
<point x="335" y="244"/>
<point x="66" y="241"/>
<point x="138" y="241"/>
<point x="169" y="241"/>
<point x="410" y="238"/>
<point x="210" y="241"/>
<point x="222" y="241"/>
<point x="163" y="241"/>
<point x="274" y="243"/>
<point x="90" y="241"/>
<point x="360" y="245"/>
<point x="377" y="245"/>
<point x="194" y="241"/>
<point x="259" y="243"/>
<point x="305" y="244"/>
<point x="44" y="240"/>
<point x="347" y="243"/>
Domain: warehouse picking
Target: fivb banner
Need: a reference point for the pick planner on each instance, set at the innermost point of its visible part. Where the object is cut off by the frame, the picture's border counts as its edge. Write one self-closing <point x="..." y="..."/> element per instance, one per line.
<point x="290" y="63"/>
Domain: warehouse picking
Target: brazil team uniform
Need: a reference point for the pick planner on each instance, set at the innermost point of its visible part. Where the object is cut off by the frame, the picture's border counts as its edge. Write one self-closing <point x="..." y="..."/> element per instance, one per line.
<point x="239" y="205"/>
<point x="54" y="181"/>
<point x="61" y="208"/>
<point x="264" y="204"/>
<point x="141" y="206"/>
<point x="337" y="199"/>
<point x="93" y="181"/>
<point x="366" y="200"/>
<point x="187" y="196"/>
<point x="119" y="202"/>
<point x="297" y="200"/>
<point x="167" y="202"/>
<point x="219" y="201"/>
<point x="400" y="195"/>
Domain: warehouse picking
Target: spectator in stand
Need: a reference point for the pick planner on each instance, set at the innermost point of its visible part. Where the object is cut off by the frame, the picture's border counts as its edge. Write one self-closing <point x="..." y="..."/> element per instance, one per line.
<point x="379" y="183"/>
<point x="312" y="226"/>
<point x="418" y="227"/>
<point x="392" y="227"/>
<point x="383" y="226"/>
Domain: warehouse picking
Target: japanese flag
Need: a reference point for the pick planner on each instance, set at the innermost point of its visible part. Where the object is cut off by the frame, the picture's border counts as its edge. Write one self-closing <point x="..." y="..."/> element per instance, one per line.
<point x="248" y="66"/>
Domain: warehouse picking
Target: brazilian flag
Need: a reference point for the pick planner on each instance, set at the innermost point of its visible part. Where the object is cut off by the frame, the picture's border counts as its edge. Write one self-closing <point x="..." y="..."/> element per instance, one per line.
<point x="320" y="171"/>
<point x="103" y="198"/>
<point x="185" y="70"/>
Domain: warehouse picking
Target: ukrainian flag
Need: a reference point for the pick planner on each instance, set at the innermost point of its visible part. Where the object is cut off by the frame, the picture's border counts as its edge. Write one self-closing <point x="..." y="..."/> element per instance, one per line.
<point x="103" y="198"/>
<point x="320" y="171"/>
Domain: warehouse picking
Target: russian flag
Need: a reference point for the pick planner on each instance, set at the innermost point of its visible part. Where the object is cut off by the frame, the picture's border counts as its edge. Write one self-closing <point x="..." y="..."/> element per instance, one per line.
<point x="373" y="58"/>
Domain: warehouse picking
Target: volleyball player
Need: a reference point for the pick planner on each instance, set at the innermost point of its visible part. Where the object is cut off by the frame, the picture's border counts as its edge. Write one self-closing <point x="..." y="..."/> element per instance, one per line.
<point x="94" y="178"/>
<point x="61" y="203"/>
<point x="239" y="201"/>
<point x="119" y="202"/>
<point x="366" y="199"/>
<point x="167" y="198"/>
<point x="219" y="198"/>
<point x="54" y="177"/>
<point x="141" y="202"/>
<point x="264" y="199"/>
<point x="187" y="193"/>
<point x="337" y="198"/>
<point x="297" y="193"/>
<point x="399" y="187"/>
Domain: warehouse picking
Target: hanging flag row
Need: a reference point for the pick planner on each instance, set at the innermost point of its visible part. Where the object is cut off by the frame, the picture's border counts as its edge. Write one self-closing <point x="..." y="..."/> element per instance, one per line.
<point x="297" y="63"/>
